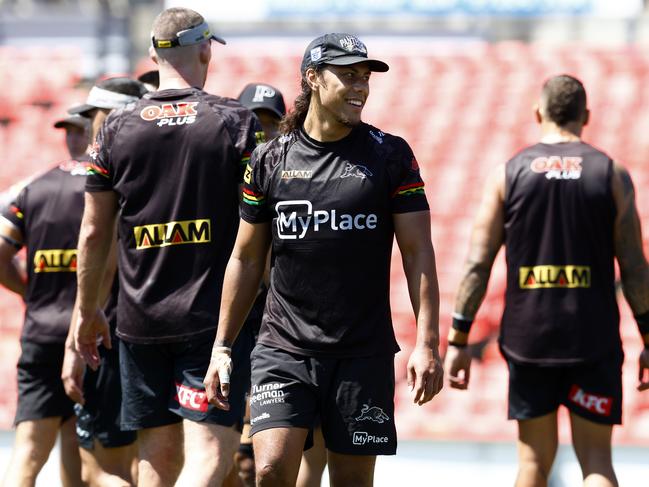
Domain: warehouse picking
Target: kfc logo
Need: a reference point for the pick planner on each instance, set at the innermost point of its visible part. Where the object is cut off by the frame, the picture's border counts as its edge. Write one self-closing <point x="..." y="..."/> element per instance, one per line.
<point x="190" y="398"/>
<point x="595" y="404"/>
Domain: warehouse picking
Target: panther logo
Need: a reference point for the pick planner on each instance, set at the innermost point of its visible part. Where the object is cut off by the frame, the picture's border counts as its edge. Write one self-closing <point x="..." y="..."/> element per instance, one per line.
<point x="373" y="413"/>
<point x="355" y="171"/>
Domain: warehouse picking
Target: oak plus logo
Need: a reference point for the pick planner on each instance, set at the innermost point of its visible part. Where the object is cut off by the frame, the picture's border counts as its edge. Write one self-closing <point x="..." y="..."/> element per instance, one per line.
<point x="170" y="114"/>
<point x="557" y="167"/>
<point x="600" y="405"/>
<point x="190" y="398"/>
<point x="554" y="276"/>
<point x="55" y="260"/>
<point x="172" y="233"/>
<point x="296" y="217"/>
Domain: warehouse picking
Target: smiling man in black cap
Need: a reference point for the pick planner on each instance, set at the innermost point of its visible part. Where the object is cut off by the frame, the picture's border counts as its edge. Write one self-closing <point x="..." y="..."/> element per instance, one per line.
<point x="330" y="194"/>
<point x="168" y="169"/>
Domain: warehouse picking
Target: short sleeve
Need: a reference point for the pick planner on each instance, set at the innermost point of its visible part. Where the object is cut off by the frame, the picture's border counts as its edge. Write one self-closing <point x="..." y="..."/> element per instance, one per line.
<point x="254" y="205"/>
<point x="14" y="212"/>
<point x="248" y="138"/>
<point x="407" y="192"/>
<point x="99" y="170"/>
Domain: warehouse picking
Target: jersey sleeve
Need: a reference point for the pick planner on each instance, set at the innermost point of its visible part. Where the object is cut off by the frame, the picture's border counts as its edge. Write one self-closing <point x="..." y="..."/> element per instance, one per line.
<point x="14" y="212"/>
<point x="407" y="191"/>
<point x="248" y="138"/>
<point x="99" y="170"/>
<point x="254" y="205"/>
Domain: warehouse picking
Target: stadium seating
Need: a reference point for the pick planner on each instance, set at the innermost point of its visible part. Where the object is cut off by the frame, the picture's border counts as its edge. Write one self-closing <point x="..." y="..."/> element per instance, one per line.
<point x="464" y="107"/>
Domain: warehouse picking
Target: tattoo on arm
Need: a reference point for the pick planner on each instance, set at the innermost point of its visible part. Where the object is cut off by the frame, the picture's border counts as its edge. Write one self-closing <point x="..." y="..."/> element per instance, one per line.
<point x="634" y="269"/>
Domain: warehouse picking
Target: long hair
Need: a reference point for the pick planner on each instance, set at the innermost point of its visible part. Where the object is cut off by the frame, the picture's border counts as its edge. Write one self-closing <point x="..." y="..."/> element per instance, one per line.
<point x="294" y="119"/>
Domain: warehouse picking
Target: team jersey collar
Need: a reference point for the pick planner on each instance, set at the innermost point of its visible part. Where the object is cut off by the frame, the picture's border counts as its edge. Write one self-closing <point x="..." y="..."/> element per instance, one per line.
<point x="345" y="141"/>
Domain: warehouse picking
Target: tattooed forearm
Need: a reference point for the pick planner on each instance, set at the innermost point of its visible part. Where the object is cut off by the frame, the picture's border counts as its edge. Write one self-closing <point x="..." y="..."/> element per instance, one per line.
<point x="473" y="288"/>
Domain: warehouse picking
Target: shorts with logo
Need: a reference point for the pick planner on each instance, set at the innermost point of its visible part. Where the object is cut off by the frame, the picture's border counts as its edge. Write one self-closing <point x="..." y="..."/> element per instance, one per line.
<point x="40" y="389"/>
<point x="352" y="397"/>
<point x="592" y="391"/>
<point x="163" y="383"/>
<point x="99" y="417"/>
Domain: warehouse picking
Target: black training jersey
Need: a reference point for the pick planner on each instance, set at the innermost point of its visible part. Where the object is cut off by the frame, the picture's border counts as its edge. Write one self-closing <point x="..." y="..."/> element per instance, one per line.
<point x="175" y="159"/>
<point x="560" y="305"/>
<point x="48" y="213"/>
<point x="330" y="206"/>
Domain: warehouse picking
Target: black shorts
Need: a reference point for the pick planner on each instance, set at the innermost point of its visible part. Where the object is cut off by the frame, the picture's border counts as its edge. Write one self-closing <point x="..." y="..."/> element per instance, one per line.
<point x="163" y="383"/>
<point x="352" y="397"/>
<point x="99" y="417"/>
<point x="40" y="389"/>
<point x="592" y="391"/>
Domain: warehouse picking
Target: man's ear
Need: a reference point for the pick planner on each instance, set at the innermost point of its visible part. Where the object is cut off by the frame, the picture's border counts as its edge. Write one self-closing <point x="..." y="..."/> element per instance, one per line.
<point x="586" y="117"/>
<point x="153" y="55"/>
<point x="205" y="52"/>
<point x="311" y="76"/>
<point x="537" y="113"/>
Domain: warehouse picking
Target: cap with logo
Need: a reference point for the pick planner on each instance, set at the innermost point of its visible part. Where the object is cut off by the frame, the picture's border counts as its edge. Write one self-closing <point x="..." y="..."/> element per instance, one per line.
<point x="258" y="96"/>
<point x="188" y="37"/>
<point x="111" y="93"/>
<point x="339" y="50"/>
<point x="73" y="121"/>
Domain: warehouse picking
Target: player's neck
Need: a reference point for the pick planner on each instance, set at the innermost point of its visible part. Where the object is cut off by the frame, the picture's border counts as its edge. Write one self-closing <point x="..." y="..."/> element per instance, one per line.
<point x="178" y="79"/>
<point x="323" y="128"/>
<point x="552" y="133"/>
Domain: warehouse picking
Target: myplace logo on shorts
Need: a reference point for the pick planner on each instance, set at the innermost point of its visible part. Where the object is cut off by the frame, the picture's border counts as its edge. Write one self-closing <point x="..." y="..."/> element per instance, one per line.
<point x="363" y="438"/>
<point x="296" y="217"/>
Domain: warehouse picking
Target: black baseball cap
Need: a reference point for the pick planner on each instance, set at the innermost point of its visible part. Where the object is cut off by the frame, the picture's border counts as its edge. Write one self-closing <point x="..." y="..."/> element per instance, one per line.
<point x="111" y="93"/>
<point x="339" y="50"/>
<point x="74" y="121"/>
<point x="260" y="96"/>
<point x="151" y="77"/>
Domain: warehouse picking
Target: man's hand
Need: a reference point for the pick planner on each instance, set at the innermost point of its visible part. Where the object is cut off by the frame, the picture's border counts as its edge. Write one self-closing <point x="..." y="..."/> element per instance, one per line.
<point x="72" y="375"/>
<point x="425" y="373"/>
<point x="92" y="329"/>
<point x="458" y="364"/>
<point x="217" y="378"/>
<point x="643" y="373"/>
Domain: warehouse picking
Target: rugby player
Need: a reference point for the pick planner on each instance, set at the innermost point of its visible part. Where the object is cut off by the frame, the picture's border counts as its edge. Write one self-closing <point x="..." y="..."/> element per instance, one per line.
<point x="330" y="193"/>
<point x="565" y="211"/>
<point x="108" y="454"/>
<point x="168" y="168"/>
<point x="44" y="217"/>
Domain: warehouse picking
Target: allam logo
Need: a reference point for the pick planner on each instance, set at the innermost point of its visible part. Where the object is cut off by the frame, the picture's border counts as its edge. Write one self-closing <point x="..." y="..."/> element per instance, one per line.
<point x="55" y="260"/>
<point x="296" y="217"/>
<point x="554" y="276"/>
<point x="172" y="233"/>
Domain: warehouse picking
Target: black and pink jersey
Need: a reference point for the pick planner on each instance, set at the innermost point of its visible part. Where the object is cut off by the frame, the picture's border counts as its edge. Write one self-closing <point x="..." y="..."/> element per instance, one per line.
<point x="331" y="206"/>
<point x="175" y="160"/>
<point x="560" y="305"/>
<point x="48" y="212"/>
